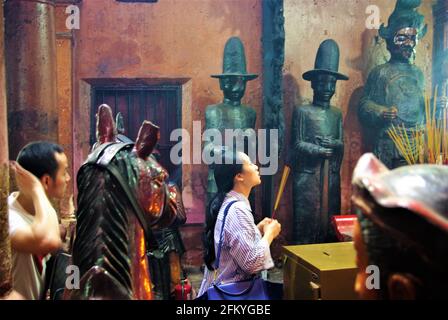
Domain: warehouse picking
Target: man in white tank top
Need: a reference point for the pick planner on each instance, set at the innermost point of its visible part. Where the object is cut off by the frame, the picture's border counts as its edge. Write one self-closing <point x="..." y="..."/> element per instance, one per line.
<point x="41" y="173"/>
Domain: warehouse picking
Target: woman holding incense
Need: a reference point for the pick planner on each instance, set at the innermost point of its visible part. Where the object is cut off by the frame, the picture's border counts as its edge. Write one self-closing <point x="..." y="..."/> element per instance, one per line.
<point x="245" y="245"/>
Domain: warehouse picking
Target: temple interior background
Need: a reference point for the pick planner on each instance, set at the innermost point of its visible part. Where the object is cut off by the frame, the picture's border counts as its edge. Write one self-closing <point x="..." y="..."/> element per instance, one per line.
<point x="161" y="54"/>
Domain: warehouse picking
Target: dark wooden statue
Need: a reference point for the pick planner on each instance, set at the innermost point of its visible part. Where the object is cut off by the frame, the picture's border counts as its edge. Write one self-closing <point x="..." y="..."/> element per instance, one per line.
<point x="230" y="114"/>
<point x="165" y="259"/>
<point x="394" y="91"/>
<point x="401" y="236"/>
<point x="122" y="198"/>
<point x="318" y="149"/>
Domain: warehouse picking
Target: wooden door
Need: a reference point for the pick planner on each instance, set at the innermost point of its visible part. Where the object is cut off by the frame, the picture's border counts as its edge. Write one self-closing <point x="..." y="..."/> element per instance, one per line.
<point x="158" y="104"/>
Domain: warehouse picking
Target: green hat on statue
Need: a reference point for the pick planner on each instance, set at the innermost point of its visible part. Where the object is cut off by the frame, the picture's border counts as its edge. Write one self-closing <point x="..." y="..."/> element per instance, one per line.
<point x="234" y="62"/>
<point x="405" y="15"/>
<point x="327" y="61"/>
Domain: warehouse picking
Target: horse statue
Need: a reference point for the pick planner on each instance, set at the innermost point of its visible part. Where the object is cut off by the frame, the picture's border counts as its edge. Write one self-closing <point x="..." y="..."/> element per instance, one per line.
<point x="123" y="197"/>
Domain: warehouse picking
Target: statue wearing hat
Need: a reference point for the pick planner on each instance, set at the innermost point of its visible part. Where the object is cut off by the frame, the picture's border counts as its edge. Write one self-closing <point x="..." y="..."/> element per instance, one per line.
<point x="230" y="114"/>
<point x="394" y="91"/>
<point x="318" y="149"/>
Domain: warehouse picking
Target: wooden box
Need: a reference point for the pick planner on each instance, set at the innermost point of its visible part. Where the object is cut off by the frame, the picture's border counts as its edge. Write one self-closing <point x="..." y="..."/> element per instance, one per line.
<point x="320" y="271"/>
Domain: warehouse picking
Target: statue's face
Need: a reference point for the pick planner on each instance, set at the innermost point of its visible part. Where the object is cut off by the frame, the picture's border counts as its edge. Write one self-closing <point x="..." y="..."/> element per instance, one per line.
<point x="233" y="87"/>
<point x="404" y="43"/>
<point x="324" y="86"/>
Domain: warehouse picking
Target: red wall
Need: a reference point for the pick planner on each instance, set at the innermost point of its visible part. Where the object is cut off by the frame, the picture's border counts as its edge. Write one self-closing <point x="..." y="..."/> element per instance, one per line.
<point x="176" y="40"/>
<point x="180" y="40"/>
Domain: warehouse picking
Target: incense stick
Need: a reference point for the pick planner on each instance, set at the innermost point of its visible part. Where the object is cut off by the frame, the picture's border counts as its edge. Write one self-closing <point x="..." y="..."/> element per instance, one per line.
<point x="427" y="144"/>
<point x="285" y="176"/>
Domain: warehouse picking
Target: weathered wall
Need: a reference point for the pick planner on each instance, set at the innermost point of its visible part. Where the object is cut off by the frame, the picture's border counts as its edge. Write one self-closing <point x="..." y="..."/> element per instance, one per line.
<point x="170" y="39"/>
<point x="307" y="24"/>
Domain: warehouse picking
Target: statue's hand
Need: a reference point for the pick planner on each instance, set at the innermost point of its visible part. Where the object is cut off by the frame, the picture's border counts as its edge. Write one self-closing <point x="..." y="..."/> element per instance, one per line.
<point x="327" y="142"/>
<point x="326" y="152"/>
<point x="390" y="114"/>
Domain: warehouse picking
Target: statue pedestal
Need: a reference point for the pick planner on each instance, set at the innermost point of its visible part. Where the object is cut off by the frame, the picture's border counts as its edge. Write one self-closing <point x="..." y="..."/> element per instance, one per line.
<point x="320" y="272"/>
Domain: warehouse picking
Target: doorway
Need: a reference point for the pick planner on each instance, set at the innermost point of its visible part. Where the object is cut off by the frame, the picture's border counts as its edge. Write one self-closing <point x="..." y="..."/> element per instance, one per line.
<point x="160" y="104"/>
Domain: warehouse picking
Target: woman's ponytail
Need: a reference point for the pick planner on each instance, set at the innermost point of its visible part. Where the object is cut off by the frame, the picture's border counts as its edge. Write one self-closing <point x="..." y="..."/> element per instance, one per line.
<point x="224" y="174"/>
<point x="209" y="232"/>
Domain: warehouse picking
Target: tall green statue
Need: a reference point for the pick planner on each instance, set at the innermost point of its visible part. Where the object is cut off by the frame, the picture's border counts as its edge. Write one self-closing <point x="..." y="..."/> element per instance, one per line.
<point x="394" y="91"/>
<point x="318" y="148"/>
<point x="230" y="114"/>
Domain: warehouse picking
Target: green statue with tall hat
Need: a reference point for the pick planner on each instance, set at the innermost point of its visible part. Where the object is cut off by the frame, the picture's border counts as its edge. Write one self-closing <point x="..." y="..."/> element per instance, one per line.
<point x="394" y="91"/>
<point x="317" y="151"/>
<point x="230" y="114"/>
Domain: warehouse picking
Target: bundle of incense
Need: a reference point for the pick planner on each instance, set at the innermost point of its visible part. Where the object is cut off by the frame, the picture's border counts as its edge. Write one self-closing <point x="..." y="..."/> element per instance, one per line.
<point x="285" y="176"/>
<point x="423" y="145"/>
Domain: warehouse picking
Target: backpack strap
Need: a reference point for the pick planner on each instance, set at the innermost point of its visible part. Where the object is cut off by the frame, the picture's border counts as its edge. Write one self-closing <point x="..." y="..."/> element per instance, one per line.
<point x="226" y="211"/>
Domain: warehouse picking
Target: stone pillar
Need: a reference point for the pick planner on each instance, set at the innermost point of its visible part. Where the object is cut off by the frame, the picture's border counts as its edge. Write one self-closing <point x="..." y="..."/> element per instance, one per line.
<point x="273" y="39"/>
<point x="30" y="41"/>
<point x="5" y="250"/>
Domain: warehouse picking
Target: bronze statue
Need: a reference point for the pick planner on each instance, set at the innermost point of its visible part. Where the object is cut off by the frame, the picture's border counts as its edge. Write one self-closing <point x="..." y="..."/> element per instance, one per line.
<point x="230" y="114"/>
<point x="402" y="230"/>
<point x="318" y="149"/>
<point x="123" y="197"/>
<point x="394" y="91"/>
